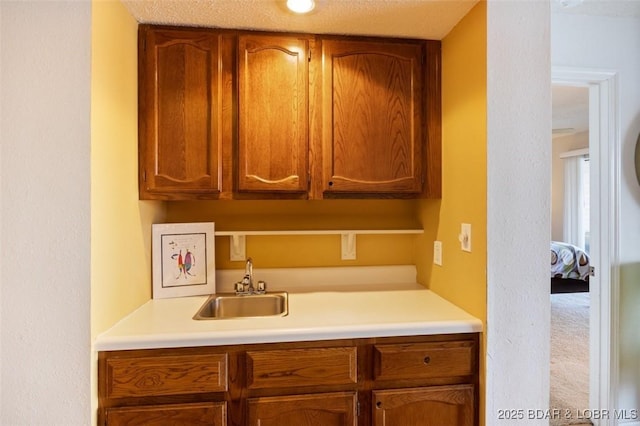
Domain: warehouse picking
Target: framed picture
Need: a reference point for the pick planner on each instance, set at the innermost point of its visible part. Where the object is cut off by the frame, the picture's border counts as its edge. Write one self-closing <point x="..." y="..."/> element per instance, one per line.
<point x="183" y="259"/>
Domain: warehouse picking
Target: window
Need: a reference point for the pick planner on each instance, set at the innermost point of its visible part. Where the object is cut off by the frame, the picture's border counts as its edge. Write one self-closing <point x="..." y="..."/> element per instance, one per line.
<point x="576" y="198"/>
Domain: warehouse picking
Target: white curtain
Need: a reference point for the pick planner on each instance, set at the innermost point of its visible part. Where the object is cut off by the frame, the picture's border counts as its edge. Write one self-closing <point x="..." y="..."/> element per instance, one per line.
<point x="576" y="199"/>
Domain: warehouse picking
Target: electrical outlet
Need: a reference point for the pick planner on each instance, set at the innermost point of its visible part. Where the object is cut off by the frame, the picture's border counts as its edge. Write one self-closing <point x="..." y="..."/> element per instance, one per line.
<point x="465" y="237"/>
<point x="437" y="253"/>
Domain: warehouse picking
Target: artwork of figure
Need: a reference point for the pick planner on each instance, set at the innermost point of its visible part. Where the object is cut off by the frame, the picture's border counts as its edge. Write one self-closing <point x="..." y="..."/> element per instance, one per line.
<point x="183" y="257"/>
<point x="179" y="259"/>
<point x="184" y="265"/>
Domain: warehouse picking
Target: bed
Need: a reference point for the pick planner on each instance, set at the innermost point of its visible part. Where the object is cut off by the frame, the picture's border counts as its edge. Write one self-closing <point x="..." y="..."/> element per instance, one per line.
<point x="569" y="268"/>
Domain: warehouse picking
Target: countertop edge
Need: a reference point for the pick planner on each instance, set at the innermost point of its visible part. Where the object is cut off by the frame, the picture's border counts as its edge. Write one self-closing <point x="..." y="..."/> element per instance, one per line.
<point x="289" y="335"/>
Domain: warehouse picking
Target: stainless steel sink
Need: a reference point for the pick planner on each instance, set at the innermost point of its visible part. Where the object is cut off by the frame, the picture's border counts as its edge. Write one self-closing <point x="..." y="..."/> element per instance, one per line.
<point x="229" y="305"/>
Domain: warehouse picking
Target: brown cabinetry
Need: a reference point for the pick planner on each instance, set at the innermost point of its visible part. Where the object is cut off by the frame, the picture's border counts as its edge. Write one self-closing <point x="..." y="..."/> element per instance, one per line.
<point x="301" y="367"/>
<point x="230" y="114"/>
<point x="372" y="116"/>
<point x="273" y="133"/>
<point x="180" y="127"/>
<point x="293" y="372"/>
<point x="445" y="405"/>
<point x="413" y="380"/>
<point x="423" y="360"/>
<point x="323" y="409"/>
<point x="203" y="414"/>
<point x="175" y="374"/>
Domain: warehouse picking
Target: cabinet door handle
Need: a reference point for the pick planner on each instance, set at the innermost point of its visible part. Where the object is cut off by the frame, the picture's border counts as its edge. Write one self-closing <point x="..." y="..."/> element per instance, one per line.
<point x="427" y="359"/>
<point x="379" y="404"/>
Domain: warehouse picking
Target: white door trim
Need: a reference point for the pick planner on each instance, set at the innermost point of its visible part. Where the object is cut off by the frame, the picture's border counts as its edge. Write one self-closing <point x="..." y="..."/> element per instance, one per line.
<point x="604" y="145"/>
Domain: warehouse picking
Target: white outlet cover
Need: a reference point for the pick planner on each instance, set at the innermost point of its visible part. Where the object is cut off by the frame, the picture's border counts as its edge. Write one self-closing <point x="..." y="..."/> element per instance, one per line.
<point x="465" y="237"/>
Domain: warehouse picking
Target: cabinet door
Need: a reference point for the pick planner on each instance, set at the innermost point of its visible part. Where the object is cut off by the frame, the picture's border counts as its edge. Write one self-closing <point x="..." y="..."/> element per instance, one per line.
<point x="204" y="414"/>
<point x="430" y="406"/>
<point x="180" y="114"/>
<point x="372" y="114"/>
<point x="332" y="409"/>
<point x="273" y="113"/>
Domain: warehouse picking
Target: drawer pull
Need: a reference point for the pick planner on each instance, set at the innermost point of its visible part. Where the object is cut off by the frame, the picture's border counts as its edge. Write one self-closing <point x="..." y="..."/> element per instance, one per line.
<point x="427" y="359"/>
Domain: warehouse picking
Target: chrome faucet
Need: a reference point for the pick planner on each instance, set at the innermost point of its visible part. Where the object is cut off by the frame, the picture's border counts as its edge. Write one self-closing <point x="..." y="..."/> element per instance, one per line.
<point x="248" y="275"/>
<point x="245" y="286"/>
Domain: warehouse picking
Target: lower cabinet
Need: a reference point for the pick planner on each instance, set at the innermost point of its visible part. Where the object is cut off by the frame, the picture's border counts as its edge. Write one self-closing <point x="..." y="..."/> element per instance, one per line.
<point x="391" y="381"/>
<point x="209" y="414"/>
<point x="445" y="405"/>
<point x="330" y="409"/>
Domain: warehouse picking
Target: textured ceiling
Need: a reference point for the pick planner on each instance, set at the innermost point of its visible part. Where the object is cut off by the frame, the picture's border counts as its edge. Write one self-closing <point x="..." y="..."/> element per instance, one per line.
<point x="426" y="19"/>
<point x="570" y="108"/>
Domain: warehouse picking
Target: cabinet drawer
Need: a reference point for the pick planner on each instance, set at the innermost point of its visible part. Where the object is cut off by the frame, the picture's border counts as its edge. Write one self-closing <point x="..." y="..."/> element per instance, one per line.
<point x="423" y="360"/>
<point x="166" y="375"/>
<point x="205" y="414"/>
<point x="301" y="367"/>
<point x="326" y="409"/>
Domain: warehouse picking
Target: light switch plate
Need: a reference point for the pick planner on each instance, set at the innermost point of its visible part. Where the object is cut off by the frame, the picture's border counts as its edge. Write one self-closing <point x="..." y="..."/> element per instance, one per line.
<point x="437" y="253"/>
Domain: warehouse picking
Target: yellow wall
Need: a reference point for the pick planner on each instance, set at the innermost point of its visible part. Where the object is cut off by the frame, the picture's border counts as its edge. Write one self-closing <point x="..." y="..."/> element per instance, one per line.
<point x="462" y="277"/>
<point x="307" y="251"/>
<point x="120" y="224"/>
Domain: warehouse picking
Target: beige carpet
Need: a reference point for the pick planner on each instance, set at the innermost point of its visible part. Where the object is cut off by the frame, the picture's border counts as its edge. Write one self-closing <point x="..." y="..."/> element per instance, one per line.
<point x="569" y="357"/>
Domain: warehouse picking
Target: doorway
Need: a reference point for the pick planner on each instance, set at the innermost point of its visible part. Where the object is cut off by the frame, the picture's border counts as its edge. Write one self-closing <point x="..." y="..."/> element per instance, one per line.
<point x="604" y="206"/>
<point x="570" y="259"/>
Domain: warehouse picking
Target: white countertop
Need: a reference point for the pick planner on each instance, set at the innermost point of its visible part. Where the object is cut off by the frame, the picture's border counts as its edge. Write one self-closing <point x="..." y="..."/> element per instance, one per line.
<point x="355" y="310"/>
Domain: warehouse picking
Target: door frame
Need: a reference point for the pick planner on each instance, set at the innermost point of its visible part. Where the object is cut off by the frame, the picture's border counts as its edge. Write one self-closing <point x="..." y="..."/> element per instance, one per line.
<point x="604" y="160"/>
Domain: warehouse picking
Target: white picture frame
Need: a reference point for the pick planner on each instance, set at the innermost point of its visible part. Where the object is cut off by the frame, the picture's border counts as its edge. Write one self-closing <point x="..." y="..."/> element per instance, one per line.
<point x="183" y="259"/>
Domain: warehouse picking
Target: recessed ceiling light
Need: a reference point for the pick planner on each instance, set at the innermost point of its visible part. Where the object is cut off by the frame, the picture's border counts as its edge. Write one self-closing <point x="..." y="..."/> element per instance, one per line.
<point x="301" y="6"/>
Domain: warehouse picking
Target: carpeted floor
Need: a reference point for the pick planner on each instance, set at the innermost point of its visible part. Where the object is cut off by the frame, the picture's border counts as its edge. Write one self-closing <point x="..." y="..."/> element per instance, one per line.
<point x="569" y="357"/>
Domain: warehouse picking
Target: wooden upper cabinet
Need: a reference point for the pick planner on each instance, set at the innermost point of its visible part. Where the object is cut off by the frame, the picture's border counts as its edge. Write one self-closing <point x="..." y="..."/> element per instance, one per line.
<point x="372" y="108"/>
<point x="180" y="113"/>
<point x="273" y="118"/>
<point x="230" y="114"/>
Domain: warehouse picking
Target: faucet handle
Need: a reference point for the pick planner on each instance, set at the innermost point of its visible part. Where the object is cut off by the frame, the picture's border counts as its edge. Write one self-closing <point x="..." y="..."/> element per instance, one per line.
<point x="261" y="287"/>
